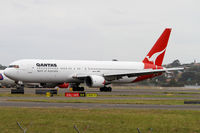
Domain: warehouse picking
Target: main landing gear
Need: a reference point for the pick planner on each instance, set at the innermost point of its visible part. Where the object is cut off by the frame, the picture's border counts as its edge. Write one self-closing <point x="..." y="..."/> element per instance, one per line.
<point x="77" y="88"/>
<point x="105" y="89"/>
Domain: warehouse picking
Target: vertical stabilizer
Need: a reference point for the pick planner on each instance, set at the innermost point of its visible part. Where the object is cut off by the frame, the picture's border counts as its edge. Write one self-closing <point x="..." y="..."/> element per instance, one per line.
<point x="156" y="54"/>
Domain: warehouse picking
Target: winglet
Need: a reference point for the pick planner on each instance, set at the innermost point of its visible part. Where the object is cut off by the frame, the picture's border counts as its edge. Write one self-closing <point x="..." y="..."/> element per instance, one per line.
<point x="156" y="54"/>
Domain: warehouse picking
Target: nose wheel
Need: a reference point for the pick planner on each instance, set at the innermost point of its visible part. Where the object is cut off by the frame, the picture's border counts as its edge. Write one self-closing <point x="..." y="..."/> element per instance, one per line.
<point x="20" y="85"/>
<point x="19" y="89"/>
<point x="105" y="89"/>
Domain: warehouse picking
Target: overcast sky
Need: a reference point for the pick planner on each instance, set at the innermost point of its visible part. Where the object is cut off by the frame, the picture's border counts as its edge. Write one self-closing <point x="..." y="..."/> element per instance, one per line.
<point x="97" y="29"/>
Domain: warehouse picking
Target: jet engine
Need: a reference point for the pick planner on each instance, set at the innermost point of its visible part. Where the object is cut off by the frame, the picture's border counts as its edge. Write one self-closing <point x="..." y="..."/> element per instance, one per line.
<point x="95" y="81"/>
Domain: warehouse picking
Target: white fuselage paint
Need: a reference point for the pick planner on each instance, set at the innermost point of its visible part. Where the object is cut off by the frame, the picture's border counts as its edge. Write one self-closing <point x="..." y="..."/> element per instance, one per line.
<point x="5" y="81"/>
<point x="64" y="70"/>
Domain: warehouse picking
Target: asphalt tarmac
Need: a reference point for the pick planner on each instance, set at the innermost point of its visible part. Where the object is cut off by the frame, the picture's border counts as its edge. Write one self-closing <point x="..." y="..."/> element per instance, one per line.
<point x="97" y="105"/>
<point x="117" y="93"/>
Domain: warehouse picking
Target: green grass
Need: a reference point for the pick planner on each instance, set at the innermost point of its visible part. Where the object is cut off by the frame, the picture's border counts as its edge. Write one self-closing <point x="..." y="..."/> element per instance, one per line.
<point x="105" y="101"/>
<point x="62" y="120"/>
<point x="25" y="95"/>
<point x="18" y="95"/>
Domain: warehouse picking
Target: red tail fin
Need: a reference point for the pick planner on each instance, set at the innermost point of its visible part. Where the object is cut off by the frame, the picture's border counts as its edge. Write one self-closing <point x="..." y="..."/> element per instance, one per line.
<point x="156" y="54"/>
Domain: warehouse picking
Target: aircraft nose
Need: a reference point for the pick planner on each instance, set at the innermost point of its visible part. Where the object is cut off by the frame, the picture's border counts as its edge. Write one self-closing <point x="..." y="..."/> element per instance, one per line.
<point x="9" y="72"/>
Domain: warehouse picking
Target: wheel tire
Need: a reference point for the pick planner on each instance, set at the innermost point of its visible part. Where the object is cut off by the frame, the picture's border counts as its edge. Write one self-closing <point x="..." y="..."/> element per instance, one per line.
<point x="109" y="89"/>
<point x="75" y="89"/>
<point x="102" y="89"/>
<point x="106" y="89"/>
<point x="81" y="88"/>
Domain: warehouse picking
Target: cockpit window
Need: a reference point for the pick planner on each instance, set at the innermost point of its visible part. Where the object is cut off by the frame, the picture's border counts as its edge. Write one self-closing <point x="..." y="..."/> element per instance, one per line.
<point x="13" y="66"/>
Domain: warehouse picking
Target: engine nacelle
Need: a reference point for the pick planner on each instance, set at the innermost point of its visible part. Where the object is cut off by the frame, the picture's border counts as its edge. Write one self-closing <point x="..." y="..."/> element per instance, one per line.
<point x="95" y="81"/>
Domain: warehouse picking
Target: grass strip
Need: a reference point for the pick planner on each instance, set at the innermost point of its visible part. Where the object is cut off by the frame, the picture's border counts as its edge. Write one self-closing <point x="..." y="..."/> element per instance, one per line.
<point x="62" y="120"/>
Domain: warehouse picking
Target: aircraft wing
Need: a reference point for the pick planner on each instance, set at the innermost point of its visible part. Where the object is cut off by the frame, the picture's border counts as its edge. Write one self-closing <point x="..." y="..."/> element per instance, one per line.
<point x="142" y="72"/>
<point x="113" y="76"/>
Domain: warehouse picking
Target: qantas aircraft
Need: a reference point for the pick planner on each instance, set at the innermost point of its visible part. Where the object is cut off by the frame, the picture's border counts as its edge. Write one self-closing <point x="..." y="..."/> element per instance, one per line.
<point x="93" y="73"/>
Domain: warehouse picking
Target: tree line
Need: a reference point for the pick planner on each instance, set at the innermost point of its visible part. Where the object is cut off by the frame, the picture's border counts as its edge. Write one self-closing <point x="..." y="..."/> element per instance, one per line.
<point x="189" y="76"/>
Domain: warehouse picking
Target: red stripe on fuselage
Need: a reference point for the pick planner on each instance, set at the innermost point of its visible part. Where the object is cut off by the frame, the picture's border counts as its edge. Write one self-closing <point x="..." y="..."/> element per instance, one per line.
<point x="148" y="66"/>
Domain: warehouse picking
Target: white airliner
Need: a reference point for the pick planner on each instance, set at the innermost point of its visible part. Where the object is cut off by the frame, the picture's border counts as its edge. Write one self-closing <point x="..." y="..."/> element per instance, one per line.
<point x="92" y="73"/>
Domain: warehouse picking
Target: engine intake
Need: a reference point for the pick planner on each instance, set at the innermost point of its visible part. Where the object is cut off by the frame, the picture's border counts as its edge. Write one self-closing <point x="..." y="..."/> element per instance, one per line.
<point x="95" y="81"/>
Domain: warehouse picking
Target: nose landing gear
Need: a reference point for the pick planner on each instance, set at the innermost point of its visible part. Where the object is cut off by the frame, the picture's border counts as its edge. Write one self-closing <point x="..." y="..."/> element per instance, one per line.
<point x="19" y="89"/>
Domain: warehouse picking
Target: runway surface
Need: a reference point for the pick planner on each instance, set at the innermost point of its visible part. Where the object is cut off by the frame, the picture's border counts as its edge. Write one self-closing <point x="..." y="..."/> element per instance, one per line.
<point x="118" y="93"/>
<point x="97" y="105"/>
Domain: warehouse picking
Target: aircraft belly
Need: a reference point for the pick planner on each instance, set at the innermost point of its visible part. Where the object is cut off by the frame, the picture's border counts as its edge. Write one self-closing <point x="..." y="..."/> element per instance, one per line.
<point x="48" y="78"/>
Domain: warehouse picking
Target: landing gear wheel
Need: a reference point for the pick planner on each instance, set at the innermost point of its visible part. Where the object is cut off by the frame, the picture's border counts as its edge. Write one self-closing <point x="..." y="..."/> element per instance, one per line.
<point x="109" y="89"/>
<point x="105" y="89"/>
<point x="78" y="88"/>
<point x="81" y="89"/>
<point x="74" y="89"/>
<point x="102" y="89"/>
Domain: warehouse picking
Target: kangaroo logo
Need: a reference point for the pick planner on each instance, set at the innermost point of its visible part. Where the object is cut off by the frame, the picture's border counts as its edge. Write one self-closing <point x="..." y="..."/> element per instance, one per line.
<point x="153" y="58"/>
